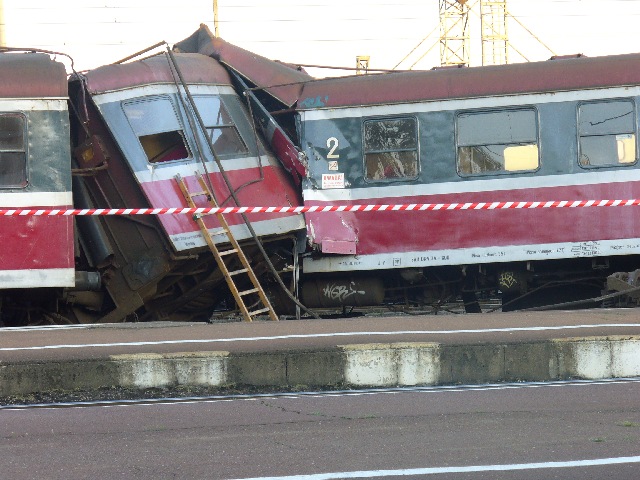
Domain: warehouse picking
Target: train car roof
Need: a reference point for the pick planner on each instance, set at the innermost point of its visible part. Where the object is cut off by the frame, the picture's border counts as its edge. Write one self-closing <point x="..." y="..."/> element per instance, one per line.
<point x="195" y="69"/>
<point x="293" y="87"/>
<point x="282" y="81"/>
<point x="536" y="77"/>
<point x="31" y="75"/>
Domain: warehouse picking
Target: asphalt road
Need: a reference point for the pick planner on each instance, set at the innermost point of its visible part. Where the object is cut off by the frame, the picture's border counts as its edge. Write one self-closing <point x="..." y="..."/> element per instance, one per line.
<point x="80" y="342"/>
<point x="515" y="431"/>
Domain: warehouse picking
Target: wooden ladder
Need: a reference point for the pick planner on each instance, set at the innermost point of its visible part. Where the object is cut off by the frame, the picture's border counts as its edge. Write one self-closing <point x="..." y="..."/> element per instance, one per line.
<point x="220" y="255"/>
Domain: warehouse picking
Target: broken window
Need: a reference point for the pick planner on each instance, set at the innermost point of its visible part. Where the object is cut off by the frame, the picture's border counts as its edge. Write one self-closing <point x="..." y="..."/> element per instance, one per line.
<point x="155" y="122"/>
<point x="606" y="132"/>
<point x="13" y="154"/>
<point x="391" y="149"/>
<point x="220" y="127"/>
<point x="496" y="142"/>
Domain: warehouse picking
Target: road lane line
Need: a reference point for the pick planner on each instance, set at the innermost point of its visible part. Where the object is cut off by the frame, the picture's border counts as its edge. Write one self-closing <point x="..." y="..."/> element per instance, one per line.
<point x="460" y="469"/>
<point x="321" y="335"/>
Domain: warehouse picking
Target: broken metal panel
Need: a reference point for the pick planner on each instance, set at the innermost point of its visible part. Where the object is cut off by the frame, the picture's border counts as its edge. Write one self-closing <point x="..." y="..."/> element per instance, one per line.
<point x="284" y="148"/>
<point x="280" y="80"/>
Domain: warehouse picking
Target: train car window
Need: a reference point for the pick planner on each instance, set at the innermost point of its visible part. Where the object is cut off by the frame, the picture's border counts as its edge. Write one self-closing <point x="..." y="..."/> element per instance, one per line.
<point x="13" y="155"/>
<point x="494" y="142"/>
<point x="220" y="127"/>
<point x="606" y="133"/>
<point x="391" y="149"/>
<point x="158" y="128"/>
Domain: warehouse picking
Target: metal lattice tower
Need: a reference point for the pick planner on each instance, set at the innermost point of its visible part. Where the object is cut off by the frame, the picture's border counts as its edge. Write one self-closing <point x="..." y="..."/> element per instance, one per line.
<point x="495" y="40"/>
<point x="454" y="32"/>
<point x="362" y="64"/>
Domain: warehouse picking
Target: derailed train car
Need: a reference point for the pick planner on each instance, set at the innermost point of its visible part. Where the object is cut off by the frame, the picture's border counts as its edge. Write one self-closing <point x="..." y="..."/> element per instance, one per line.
<point x="559" y="130"/>
<point x="133" y="134"/>
<point x="138" y="134"/>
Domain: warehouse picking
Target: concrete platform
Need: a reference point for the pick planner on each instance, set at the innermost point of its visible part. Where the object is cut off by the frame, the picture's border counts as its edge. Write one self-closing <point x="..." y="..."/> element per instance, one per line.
<point x="359" y="352"/>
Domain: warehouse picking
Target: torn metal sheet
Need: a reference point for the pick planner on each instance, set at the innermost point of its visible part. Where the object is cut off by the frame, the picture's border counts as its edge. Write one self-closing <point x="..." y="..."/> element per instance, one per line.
<point x="282" y="81"/>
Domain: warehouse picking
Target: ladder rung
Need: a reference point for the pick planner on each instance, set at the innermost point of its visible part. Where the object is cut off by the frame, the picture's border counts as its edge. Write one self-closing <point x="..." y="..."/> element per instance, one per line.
<point x="238" y="272"/>
<point x="198" y="194"/>
<point x="227" y="252"/>
<point x="257" y="312"/>
<point x="198" y="216"/>
<point x="247" y="292"/>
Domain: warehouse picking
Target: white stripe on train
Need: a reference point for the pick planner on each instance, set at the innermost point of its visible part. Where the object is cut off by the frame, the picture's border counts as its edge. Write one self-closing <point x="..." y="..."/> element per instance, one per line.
<point x="509" y="185"/>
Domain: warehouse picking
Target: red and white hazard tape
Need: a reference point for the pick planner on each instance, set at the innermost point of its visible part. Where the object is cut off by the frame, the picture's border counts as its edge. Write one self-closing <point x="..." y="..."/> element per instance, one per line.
<point x="325" y="208"/>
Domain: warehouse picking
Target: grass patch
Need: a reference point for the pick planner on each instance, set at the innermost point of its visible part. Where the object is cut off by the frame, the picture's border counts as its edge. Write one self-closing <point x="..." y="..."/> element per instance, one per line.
<point x="627" y="423"/>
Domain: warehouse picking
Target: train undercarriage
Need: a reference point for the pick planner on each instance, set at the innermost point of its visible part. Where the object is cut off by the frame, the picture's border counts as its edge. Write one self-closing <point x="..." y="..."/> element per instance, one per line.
<point x="197" y="292"/>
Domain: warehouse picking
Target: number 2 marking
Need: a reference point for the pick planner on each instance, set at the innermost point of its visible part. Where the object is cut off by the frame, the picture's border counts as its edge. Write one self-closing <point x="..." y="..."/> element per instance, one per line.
<point x="332" y="144"/>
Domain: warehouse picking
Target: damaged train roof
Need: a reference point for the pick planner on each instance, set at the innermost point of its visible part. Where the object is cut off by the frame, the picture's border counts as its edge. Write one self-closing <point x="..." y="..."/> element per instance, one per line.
<point x="294" y="87"/>
<point x="195" y="69"/>
<point x="282" y="81"/>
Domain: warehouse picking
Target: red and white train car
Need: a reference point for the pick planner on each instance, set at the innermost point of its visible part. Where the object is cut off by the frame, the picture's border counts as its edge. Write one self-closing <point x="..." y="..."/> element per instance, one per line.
<point x="37" y="252"/>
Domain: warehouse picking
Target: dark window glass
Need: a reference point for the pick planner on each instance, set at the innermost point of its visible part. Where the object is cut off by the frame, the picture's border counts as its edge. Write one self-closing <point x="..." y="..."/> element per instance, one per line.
<point x="391" y="149"/>
<point x="495" y="142"/>
<point x="13" y="155"/>
<point x="158" y="128"/>
<point x="606" y="132"/>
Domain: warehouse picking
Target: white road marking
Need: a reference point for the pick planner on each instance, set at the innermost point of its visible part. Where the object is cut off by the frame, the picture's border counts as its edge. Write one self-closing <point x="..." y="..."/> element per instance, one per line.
<point x="44" y="328"/>
<point x="321" y="335"/>
<point x="460" y="469"/>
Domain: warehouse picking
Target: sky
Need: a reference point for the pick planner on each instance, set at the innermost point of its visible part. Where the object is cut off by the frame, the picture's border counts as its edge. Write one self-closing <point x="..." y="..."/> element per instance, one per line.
<point x="315" y="32"/>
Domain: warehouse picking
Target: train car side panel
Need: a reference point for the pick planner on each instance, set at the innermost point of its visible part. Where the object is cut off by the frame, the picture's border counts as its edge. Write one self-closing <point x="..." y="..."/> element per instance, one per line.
<point x="37" y="251"/>
<point x="416" y="158"/>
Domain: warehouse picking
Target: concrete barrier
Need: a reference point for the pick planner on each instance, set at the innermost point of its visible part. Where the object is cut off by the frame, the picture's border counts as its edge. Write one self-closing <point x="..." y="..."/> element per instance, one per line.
<point x="366" y="365"/>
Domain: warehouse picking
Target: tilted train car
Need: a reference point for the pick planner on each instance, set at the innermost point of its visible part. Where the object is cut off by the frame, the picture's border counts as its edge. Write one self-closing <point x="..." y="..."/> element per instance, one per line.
<point x="137" y="134"/>
<point x="559" y="130"/>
